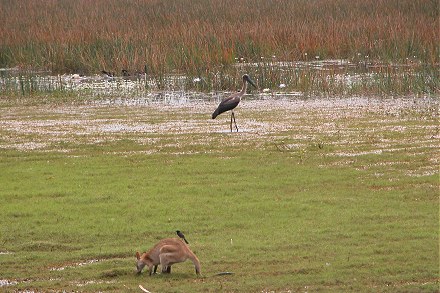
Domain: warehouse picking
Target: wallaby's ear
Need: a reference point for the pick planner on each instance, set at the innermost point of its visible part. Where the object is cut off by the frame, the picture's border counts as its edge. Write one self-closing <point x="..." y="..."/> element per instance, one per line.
<point x="138" y="256"/>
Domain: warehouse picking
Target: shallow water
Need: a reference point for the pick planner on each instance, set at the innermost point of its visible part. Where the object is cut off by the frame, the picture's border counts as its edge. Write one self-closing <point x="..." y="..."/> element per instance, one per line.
<point x="118" y="108"/>
<point x="272" y="77"/>
<point x="75" y="265"/>
<point x="146" y="120"/>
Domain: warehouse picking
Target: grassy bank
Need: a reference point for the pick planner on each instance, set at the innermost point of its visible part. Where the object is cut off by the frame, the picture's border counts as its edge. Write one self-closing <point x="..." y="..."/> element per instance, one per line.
<point x="310" y="195"/>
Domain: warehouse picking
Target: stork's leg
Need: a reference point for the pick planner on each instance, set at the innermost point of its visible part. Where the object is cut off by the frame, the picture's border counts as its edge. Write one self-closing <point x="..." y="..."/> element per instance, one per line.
<point x="233" y="115"/>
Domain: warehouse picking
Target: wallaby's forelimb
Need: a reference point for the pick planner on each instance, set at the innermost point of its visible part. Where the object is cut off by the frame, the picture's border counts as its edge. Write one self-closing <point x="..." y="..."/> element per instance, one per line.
<point x="154" y="270"/>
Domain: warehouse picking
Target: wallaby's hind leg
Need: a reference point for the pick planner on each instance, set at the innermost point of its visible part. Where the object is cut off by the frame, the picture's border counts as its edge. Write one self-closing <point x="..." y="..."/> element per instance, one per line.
<point x="166" y="266"/>
<point x="166" y="269"/>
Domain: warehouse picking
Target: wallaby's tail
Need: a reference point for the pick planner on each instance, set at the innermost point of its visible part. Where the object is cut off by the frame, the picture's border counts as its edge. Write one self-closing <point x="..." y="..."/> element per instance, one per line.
<point x="195" y="261"/>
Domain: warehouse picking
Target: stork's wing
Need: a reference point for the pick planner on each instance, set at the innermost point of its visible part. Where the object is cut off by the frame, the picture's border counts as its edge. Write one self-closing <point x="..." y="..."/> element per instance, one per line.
<point x="226" y="104"/>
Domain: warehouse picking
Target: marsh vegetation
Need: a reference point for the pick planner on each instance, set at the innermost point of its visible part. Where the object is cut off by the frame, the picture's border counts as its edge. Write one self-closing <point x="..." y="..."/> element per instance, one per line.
<point x="386" y="47"/>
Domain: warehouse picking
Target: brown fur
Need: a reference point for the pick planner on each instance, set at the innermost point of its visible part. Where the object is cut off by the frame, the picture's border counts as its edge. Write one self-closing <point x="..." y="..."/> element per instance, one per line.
<point x="166" y="253"/>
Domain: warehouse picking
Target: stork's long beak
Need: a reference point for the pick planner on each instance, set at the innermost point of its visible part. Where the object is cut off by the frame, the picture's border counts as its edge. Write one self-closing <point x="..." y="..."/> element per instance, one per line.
<point x="248" y="79"/>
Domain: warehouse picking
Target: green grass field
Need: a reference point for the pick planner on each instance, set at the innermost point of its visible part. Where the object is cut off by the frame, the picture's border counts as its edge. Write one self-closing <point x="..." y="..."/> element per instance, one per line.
<point x="311" y="195"/>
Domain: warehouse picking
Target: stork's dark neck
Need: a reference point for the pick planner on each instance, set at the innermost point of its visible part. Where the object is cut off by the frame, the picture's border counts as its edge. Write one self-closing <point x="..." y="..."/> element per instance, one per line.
<point x="244" y="87"/>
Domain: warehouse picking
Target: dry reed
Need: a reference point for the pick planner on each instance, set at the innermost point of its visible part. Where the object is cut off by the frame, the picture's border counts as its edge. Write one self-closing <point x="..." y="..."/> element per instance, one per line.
<point x="198" y="36"/>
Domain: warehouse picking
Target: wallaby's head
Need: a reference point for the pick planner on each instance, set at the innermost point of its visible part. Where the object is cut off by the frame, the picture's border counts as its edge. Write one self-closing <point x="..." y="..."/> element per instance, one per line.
<point x="140" y="264"/>
<point x="142" y="261"/>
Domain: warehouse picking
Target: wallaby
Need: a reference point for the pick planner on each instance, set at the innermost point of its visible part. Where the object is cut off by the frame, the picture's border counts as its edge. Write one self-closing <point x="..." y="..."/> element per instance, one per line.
<point x="166" y="253"/>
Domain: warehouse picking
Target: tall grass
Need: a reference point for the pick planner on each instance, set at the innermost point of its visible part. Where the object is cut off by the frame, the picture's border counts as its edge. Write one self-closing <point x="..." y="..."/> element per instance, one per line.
<point x="201" y="36"/>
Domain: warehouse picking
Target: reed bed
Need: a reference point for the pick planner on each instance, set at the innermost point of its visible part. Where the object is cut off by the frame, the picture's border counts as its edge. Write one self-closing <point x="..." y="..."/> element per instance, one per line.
<point x="205" y="38"/>
<point x="298" y="78"/>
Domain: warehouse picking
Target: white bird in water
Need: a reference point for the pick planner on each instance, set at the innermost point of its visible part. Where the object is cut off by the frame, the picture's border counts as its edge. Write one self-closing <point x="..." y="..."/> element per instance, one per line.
<point x="233" y="100"/>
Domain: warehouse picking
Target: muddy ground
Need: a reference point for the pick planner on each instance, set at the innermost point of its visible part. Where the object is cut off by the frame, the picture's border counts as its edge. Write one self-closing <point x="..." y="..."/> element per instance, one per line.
<point x="346" y="127"/>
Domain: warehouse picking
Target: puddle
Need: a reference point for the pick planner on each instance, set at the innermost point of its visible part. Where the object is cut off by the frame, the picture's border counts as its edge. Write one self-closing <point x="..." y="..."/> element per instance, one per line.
<point x="4" y="283"/>
<point x="92" y="282"/>
<point x="356" y="154"/>
<point x="75" y="265"/>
